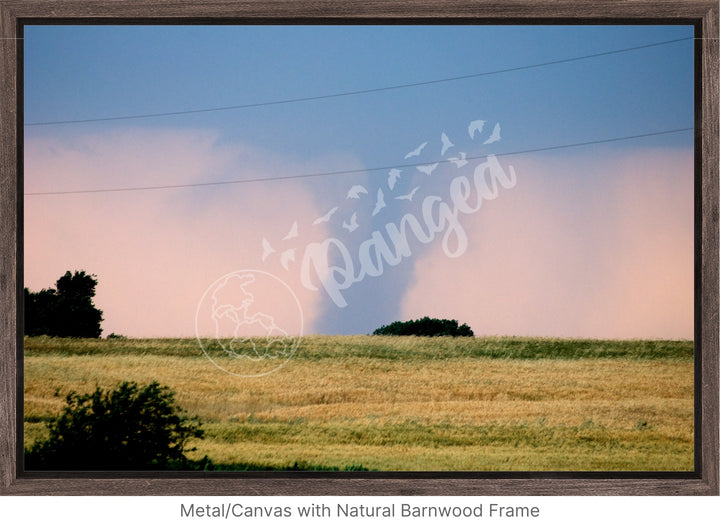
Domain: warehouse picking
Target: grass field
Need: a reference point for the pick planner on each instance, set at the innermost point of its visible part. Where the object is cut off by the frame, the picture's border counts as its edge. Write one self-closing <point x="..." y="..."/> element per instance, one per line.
<point x="406" y="403"/>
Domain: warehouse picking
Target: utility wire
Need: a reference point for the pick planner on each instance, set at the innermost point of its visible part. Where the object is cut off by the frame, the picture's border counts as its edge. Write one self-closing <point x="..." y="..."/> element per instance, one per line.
<point x="354" y="171"/>
<point x="356" y="92"/>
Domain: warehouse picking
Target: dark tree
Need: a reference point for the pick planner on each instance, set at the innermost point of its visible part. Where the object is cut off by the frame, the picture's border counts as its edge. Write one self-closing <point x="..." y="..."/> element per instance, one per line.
<point x="77" y="316"/>
<point x="425" y="327"/>
<point x="127" y="428"/>
<point x="66" y="311"/>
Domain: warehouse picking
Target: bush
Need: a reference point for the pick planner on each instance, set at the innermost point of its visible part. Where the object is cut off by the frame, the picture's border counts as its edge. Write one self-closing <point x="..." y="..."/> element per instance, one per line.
<point x="127" y="428"/>
<point x="425" y="327"/>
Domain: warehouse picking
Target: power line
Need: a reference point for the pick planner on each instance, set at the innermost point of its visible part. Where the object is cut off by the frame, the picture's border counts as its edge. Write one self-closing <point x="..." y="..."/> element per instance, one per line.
<point x="353" y="171"/>
<point x="356" y="92"/>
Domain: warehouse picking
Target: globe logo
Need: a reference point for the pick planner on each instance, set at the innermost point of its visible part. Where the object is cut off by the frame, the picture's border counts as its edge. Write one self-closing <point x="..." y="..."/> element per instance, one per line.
<point x="249" y="323"/>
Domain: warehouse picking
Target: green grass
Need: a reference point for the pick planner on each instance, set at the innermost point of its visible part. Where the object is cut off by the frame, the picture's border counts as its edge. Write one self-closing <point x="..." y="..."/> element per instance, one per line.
<point x="405" y="403"/>
<point x="389" y="347"/>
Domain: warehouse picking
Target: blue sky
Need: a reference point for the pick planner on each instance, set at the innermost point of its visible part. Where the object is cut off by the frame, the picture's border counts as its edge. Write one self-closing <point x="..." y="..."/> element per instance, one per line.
<point x="75" y="73"/>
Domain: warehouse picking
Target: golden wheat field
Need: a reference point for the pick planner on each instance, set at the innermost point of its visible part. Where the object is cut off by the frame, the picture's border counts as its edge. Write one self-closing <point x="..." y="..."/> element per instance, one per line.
<point x="405" y="403"/>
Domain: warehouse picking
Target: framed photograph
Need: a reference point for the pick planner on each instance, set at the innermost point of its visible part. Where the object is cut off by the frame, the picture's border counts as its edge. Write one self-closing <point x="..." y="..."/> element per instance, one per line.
<point x="276" y="248"/>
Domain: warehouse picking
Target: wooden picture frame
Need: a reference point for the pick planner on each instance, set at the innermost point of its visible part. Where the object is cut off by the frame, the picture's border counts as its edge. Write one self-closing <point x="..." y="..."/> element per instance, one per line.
<point x="703" y="14"/>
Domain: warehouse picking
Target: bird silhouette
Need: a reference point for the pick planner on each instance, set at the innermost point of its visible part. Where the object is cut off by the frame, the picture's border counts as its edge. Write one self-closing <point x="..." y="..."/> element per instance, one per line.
<point x="355" y="191"/>
<point x="459" y="161"/>
<point x="380" y="203"/>
<point x="416" y="151"/>
<point x="326" y="217"/>
<point x="427" y="169"/>
<point x="393" y="176"/>
<point x="408" y="197"/>
<point x="475" y="126"/>
<point x="292" y="233"/>
<point x="494" y="136"/>
<point x="267" y="249"/>
<point x="446" y="144"/>
<point x="286" y="257"/>
<point x="353" y="223"/>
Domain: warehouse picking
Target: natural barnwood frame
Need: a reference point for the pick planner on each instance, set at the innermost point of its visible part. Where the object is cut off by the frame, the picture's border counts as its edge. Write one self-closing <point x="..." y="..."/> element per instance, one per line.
<point x="703" y="14"/>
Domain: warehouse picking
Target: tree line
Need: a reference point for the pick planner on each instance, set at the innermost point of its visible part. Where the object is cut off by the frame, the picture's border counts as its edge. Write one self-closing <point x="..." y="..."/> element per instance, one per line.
<point x="66" y="310"/>
<point x="425" y="327"/>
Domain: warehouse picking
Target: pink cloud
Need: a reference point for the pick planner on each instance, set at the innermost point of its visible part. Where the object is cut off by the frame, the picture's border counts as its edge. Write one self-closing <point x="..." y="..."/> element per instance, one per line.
<point x="156" y="252"/>
<point x="597" y="245"/>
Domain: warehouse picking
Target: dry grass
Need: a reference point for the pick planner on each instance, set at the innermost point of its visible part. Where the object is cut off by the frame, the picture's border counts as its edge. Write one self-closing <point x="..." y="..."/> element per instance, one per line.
<point x="407" y="403"/>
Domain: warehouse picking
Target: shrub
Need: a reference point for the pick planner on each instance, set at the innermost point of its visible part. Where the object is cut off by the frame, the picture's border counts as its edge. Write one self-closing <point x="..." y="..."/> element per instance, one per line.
<point x="425" y="327"/>
<point x="127" y="428"/>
